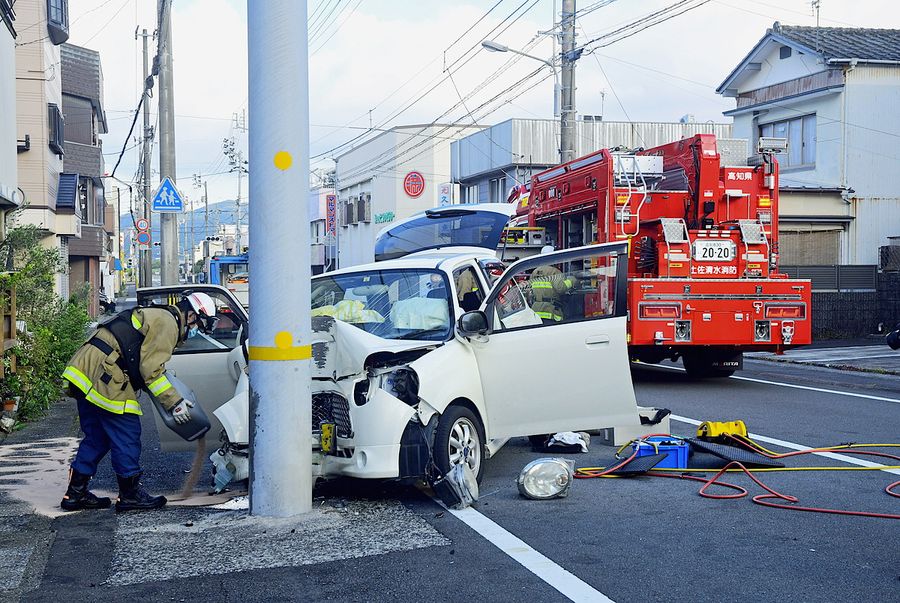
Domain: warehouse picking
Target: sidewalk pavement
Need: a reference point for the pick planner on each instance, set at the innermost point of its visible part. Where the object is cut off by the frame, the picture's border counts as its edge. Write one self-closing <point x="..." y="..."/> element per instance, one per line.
<point x="871" y="355"/>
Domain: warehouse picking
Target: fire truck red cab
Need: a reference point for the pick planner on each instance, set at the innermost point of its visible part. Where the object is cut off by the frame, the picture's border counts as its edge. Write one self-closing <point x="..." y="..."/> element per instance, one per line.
<point x="701" y="222"/>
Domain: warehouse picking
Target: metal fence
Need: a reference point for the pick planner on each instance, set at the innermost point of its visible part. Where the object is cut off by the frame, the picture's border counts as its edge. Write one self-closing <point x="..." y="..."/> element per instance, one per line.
<point x="836" y="277"/>
<point x="889" y="256"/>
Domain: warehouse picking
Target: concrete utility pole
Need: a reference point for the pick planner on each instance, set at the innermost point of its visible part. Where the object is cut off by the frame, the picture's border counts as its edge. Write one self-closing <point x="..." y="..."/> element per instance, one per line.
<point x="569" y="56"/>
<point x="280" y="413"/>
<point x="168" y="221"/>
<point x="145" y="256"/>
<point x="238" y="164"/>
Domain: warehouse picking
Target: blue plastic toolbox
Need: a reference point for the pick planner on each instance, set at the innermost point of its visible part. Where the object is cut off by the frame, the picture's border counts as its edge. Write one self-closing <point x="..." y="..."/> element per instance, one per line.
<point x="675" y="449"/>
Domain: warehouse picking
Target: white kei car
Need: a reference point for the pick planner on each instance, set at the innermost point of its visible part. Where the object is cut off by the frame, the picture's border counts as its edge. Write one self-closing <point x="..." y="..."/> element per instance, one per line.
<point x="423" y="360"/>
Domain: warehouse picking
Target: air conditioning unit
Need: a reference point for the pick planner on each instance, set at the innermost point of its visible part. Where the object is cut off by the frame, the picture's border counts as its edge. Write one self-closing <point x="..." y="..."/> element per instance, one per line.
<point x="350" y="211"/>
<point x="364" y="208"/>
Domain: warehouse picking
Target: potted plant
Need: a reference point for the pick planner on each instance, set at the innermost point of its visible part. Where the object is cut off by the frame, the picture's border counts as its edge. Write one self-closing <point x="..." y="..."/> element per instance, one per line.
<point x="9" y="389"/>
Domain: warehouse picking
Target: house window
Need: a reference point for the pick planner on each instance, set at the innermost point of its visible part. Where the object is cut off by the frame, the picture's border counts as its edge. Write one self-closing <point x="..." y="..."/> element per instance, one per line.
<point x="79" y="116"/>
<point x="800" y="133"/>
<point x="57" y="133"/>
<point x="58" y="20"/>
<point x="470" y="194"/>
<point x="497" y="190"/>
<point x="8" y="15"/>
<point x="784" y="52"/>
<point x="83" y="196"/>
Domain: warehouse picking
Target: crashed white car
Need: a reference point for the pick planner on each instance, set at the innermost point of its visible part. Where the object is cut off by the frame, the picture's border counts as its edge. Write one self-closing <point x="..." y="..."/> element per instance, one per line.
<point x="424" y="360"/>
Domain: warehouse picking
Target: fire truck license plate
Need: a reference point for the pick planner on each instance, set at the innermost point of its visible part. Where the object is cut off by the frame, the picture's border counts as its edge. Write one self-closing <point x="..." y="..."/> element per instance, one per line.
<point x="714" y="251"/>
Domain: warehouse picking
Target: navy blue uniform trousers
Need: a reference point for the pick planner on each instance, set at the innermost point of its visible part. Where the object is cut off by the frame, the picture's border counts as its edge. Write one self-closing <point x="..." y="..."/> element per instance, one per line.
<point x="104" y="432"/>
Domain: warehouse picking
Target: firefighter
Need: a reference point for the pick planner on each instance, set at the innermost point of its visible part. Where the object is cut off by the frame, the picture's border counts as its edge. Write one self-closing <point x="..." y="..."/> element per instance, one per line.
<point x="126" y="354"/>
<point x="548" y="285"/>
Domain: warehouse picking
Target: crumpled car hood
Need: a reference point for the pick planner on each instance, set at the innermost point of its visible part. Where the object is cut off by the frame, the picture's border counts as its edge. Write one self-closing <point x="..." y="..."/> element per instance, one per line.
<point x="339" y="349"/>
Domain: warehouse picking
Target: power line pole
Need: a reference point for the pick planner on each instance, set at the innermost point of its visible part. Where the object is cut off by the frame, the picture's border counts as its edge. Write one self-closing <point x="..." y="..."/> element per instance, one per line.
<point x="238" y="164"/>
<point x="145" y="256"/>
<point x="280" y="410"/>
<point x="168" y="221"/>
<point x="569" y="56"/>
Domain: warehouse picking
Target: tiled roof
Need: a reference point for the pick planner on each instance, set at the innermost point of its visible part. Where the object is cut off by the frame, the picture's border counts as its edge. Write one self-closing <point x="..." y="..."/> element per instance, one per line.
<point x="845" y="42"/>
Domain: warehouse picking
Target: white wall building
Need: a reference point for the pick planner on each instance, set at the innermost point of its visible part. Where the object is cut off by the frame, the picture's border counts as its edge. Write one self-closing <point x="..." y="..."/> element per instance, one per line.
<point x="9" y="188"/>
<point x="834" y="94"/>
<point x="388" y="178"/>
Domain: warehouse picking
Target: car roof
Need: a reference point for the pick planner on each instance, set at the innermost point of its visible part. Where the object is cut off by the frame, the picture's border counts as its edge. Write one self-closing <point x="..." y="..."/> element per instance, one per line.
<point x="423" y="223"/>
<point x="430" y="260"/>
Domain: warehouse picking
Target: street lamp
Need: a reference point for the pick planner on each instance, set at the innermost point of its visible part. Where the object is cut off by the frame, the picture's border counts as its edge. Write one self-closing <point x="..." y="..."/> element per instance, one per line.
<point x="493" y="46"/>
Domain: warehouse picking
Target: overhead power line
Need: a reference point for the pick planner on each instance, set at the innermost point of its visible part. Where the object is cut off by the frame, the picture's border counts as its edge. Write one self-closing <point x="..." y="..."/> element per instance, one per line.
<point x="465" y="57"/>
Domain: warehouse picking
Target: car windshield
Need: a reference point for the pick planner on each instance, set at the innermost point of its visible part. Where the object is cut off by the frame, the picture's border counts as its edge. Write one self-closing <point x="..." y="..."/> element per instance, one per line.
<point x="463" y="227"/>
<point x="393" y="304"/>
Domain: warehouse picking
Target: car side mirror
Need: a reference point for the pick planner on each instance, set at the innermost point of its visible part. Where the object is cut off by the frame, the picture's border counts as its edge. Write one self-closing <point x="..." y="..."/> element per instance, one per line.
<point x="473" y="324"/>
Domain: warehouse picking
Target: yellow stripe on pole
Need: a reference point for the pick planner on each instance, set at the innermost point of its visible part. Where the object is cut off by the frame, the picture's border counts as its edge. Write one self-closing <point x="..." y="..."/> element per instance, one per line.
<point x="283" y="349"/>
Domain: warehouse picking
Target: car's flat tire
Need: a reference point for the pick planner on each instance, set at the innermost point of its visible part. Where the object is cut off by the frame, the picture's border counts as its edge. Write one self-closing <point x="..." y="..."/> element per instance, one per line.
<point x="459" y="432"/>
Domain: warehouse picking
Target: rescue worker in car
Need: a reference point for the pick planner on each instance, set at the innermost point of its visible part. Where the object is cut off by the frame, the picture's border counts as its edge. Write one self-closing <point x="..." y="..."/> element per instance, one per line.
<point x="548" y="285"/>
<point x="126" y="354"/>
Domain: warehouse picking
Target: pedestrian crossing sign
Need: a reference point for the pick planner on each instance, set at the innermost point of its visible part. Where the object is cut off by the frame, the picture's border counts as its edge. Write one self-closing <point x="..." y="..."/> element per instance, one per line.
<point x="167" y="198"/>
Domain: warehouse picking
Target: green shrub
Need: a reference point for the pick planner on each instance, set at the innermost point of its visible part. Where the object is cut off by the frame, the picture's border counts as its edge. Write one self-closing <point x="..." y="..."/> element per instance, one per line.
<point x="55" y="328"/>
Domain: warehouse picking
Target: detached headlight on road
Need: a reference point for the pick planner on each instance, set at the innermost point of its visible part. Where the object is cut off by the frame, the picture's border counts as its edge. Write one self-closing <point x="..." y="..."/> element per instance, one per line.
<point x="546" y="478"/>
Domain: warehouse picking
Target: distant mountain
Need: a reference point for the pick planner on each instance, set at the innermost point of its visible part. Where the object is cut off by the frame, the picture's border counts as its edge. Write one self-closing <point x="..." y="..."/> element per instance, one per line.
<point x="221" y="212"/>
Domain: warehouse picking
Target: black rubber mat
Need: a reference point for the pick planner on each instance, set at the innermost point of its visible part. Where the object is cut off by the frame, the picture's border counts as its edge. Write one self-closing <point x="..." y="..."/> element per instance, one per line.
<point x="641" y="464"/>
<point x="733" y="453"/>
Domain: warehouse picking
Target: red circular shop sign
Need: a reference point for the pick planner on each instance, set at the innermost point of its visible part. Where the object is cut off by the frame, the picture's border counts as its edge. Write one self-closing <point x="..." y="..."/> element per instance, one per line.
<point x="414" y="184"/>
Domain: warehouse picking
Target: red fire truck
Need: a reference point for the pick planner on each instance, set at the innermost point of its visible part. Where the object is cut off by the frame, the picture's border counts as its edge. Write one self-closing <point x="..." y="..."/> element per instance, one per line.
<point x="701" y="220"/>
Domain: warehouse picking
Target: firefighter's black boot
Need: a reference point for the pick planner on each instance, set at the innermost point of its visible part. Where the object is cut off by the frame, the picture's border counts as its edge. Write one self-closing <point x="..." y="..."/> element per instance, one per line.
<point x="133" y="497"/>
<point x="78" y="497"/>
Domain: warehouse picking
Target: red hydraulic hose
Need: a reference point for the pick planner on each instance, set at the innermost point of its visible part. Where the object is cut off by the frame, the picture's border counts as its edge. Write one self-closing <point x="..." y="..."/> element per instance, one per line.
<point x="760" y="498"/>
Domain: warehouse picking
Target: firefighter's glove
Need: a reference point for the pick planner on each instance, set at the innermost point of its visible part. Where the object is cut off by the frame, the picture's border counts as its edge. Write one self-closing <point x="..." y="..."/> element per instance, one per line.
<point x="181" y="412"/>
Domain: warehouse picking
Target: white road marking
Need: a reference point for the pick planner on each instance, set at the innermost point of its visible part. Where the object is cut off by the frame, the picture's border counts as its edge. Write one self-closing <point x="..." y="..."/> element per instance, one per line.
<point x="816" y="389"/>
<point x="790" y="445"/>
<point x="569" y="585"/>
<point x="791" y="385"/>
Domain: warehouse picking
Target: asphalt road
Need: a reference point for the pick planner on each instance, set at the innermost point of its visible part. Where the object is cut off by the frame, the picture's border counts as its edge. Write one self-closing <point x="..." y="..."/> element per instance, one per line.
<point x="633" y="539"/>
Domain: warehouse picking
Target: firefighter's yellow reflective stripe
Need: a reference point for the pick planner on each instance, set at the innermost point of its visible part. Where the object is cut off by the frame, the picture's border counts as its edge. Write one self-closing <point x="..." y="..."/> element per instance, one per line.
<point x="300" y="352"/>
<point x="541" y="285"/>
<point x="114" y="406"/>
<point x="135" y="322"/>
<point x="77" y="378"/>
<point x="549" y="315"/>
<point x="159" y="386"/>
<point x="568" y="282"/>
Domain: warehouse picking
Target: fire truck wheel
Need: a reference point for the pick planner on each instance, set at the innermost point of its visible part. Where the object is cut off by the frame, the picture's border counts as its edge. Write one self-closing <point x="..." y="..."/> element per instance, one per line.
<point x="700" y="367"/>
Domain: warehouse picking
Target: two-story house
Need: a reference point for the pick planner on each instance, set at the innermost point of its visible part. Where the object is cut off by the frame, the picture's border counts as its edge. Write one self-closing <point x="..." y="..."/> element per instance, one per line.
<point x="40" y="129"/>
<point x="83" y="167"/>
<point x="833" y="94"/>
<point x="9" y="188"/>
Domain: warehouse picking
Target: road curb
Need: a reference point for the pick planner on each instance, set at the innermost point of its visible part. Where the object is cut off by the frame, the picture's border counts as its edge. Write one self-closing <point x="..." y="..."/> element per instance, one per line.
<point x="837" y="366"/>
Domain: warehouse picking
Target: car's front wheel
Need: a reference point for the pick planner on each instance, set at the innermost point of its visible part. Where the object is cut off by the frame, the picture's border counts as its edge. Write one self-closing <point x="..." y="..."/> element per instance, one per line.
<point x="459" y="438"/>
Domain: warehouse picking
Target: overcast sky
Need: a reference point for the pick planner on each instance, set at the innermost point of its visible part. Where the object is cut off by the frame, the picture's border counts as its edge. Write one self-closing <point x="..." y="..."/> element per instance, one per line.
<point x="380" y="55"/>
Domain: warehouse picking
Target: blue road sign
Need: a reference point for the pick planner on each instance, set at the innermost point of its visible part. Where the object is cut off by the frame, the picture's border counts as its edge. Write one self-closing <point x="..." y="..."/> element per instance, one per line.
<point x="167" y="198"/>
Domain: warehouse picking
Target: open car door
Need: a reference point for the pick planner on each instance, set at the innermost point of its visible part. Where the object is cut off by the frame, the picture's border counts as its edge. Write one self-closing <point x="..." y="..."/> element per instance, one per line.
<point x="202" y="362"/>
<point x="555" y="357"/>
